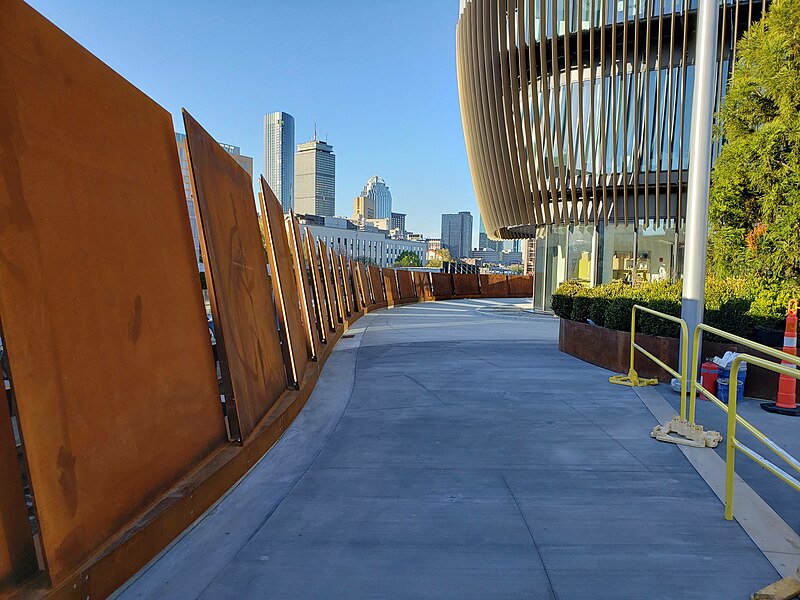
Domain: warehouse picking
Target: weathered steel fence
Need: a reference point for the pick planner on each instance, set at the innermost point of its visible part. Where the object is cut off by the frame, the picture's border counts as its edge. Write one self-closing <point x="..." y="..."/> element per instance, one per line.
<point x="114" y="386"/>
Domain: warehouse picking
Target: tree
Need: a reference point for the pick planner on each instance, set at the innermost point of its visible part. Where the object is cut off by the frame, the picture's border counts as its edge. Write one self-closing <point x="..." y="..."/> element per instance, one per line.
<point x="442" y="255"/>
<point x="754" y="203"/>
<point x="408" y="259"/>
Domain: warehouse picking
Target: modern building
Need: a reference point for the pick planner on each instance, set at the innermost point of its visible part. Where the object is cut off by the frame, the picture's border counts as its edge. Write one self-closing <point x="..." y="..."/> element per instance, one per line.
<point x="457" y="233"/>
<point x="398" y="221"/>
<point x="279" y="156"/>
<point x="486" y="255"/>
<point x="433" y="246"/>
<point x="576" y="118"/>
<point x="344" y="237"/>
<point x="378" y="192"/>
<point x="484" y="242"/>
<point x="315" y="179"/>
<point x="246" y="162"/>
<point x="363" y="208"/>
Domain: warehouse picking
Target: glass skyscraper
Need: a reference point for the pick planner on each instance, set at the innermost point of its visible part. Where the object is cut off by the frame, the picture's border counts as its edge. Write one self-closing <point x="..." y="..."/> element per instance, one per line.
<point x="457" y="234"/>
<point x="279" y="156"/>
<point x="377" y="191"/>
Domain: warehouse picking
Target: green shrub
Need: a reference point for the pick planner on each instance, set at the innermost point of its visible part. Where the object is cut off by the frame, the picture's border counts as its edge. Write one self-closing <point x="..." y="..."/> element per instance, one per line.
<point x="597" y="310"/>
<point x="581" y="305"/>
<point x="618" y="313"/>
<point x="561" y="301"/>
<point x="652" y="325"/>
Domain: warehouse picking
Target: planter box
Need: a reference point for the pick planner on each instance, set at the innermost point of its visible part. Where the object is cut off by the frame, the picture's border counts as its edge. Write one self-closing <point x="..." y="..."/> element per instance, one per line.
<point x="610" y="349"/>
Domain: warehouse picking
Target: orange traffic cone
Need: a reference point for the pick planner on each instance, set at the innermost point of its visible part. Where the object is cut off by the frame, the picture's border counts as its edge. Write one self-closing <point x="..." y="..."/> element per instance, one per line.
<point x="787" y="386"/>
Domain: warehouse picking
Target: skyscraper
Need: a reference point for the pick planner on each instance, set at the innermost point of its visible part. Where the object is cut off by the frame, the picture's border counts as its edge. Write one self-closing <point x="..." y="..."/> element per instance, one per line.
<point x="363" y="208"/>
<point x="315" y="179"/>
<point x="483" y="238"/>
<point x="457" y="233"/>
<point x="377" y="190"/>
<point x="279" y="156"/>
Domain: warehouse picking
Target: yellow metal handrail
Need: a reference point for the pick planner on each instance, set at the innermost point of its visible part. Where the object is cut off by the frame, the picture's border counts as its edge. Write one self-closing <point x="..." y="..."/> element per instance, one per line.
<point x="732" y="444"/>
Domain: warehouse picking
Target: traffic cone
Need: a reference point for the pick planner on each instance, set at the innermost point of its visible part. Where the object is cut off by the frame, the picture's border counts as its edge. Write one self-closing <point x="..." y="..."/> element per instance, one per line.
<point x="786" y="403"/>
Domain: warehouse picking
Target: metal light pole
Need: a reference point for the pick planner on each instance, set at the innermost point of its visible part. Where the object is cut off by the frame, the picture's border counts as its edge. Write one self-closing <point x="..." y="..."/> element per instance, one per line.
<point x="694" y="260"/>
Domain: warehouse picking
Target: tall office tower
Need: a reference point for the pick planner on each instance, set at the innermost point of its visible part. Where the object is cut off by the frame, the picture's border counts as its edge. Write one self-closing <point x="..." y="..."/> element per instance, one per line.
<point x="457" y="234"/>
<point x="279" y="156"/>
<point x="363" y="208"/>
<point x="483" y="238"/>
<point x="377" y="190"/>
<point x="315" y="179"/>
<point x="246" y="162"/>
<point x="398" y="221"/>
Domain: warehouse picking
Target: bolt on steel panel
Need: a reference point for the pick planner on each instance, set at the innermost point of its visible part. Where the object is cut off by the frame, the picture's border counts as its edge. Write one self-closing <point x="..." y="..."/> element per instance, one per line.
<point x="405" y="284"/>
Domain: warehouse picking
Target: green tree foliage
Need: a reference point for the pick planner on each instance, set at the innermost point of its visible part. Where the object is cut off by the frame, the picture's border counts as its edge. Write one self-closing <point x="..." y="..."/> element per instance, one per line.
<point x="755" y="194"/>
<point x="442" y="255"/>
<point x="408" y="259"/>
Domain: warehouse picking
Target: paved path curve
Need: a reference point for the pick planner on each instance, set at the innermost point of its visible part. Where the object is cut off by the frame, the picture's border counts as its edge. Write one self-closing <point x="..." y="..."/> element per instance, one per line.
<point x="450" y="451"/>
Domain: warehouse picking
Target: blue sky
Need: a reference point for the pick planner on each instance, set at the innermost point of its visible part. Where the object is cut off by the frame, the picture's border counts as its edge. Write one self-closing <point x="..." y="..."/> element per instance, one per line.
<point x="377" y="76"/>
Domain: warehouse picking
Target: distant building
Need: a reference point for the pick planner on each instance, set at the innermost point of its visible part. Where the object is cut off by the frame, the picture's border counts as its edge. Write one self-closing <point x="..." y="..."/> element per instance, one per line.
<point x="398" y="221"/>
<point x="315" y="179"/>
<point x="279" y="156"/>
<point x="433" y="246"/>
<point x="483" y="238"/>
<point x="487" y="255"/>
<point x="245" y="162"/>
<point x="378" y="192"/>
<point x="509" y="257"/>
<point x="343" y="236"/>
<point x="457" y="233"/>
<point x="363" y="208"/>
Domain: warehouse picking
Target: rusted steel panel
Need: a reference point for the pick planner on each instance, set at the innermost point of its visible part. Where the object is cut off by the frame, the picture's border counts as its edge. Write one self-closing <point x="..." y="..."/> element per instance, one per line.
<point x="520" y="286"/>
<point x="390" y="286"/>
<point x="405" y="284"/>
<point x="100" y="299"/>
<point x="337" y="286"/>
<point x="494" y="286"/>
<point x="284" y="284"/>
<point x="238" y="284"/>
<point x="442" y="285"/>
<point x="307" y="311"/>
<point x="330" y="286"/>
<point x="466" y="284"/>
<point x="324" y="320"/>
<point x="340" y="271"/>
<point x="376" y="284"/>
<point x="364" y="282"/>
<point x="351" y="280"/>
<point x="17" y="554"/>
<point x="422" y="285"/>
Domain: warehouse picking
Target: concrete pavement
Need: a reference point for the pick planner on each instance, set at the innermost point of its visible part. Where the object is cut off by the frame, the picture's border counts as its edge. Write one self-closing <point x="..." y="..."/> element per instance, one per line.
<point x="450" y="451"/>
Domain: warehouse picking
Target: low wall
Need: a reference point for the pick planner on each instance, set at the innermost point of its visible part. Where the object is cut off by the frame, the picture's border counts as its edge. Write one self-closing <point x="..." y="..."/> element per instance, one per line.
<point x="610" y="349"/>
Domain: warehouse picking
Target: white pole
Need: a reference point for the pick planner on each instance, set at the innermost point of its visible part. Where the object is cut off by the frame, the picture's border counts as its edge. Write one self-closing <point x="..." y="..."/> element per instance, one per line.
<point x="694" y="261"/>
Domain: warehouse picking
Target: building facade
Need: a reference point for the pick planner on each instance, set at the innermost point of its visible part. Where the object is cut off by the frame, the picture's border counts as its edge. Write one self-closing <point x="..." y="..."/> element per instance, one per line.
<point x="315" y="179"/>
<point x="363" y="208"/>
<point x="457" y="234"/>
<point x="279" y="156"/>
<point x="378" y="192"/>
<point x="484" y="241"/>
<point x="398" y="221"/>
<point x="576" y="118"/>
<point x="374" y="247"/>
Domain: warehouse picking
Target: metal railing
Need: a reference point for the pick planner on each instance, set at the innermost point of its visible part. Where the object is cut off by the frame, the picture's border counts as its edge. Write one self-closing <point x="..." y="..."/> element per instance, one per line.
<point x="732" y="444"/>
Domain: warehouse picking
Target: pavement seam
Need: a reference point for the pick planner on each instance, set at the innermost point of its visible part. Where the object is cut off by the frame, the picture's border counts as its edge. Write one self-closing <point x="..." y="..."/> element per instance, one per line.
<point x="530" y="533"/>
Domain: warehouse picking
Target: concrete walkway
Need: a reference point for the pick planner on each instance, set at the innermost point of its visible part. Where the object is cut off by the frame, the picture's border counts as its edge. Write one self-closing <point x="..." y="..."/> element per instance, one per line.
<point x="450" y="451"/>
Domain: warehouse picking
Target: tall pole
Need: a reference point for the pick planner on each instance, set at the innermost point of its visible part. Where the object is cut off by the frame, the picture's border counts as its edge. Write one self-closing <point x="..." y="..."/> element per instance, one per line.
<point x="694" y="260"/>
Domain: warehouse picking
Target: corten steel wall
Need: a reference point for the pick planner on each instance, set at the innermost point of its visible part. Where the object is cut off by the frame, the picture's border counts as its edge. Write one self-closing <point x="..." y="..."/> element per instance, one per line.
<point x="520" y="286"/>
<point x="405" y="284"/>
<point x="390" y="286"/>
<point x="442" y="285"/>
<point x="466" y="284"/>
<point x="100" y="301"/>
<point x="578" y="111"/>
<point x="284" y="285"/>
<point x="251" y="358"/>
<point x="494" y="285"/>
<point x="113" y="378"/>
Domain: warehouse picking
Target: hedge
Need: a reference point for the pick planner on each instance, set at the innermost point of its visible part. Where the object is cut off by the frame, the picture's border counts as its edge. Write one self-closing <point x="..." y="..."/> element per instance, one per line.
<point x="732" y="304"/>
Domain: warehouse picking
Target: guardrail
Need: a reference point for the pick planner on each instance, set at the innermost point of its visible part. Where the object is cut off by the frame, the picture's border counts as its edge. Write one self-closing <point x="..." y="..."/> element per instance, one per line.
<point x="732" y="444"/>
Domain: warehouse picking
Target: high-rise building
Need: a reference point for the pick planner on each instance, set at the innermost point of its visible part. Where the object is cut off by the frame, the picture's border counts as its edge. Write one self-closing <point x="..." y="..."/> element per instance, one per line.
<point x="315" y="179"/>
<point x="483" y="238"/>
<point x="457" y="234"/>
<point x="594" y="167"/>
<point x="363" y="208"/>
<point x="377" y="190"/>
<point x="279" y="156"/>
<point x="246" y="162"/>
<point x="398" y="221"/>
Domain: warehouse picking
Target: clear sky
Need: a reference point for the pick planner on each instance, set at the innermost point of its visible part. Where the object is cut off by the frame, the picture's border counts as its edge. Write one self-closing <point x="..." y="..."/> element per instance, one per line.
<point x="377" y="76"/>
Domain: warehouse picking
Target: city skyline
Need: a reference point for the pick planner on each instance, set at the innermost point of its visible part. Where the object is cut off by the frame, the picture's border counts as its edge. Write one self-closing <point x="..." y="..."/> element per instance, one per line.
<point x="411" y="136"/>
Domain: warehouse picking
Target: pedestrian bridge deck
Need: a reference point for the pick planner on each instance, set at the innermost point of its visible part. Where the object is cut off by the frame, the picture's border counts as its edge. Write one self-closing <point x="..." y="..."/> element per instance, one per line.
<point x="450" y="450"/>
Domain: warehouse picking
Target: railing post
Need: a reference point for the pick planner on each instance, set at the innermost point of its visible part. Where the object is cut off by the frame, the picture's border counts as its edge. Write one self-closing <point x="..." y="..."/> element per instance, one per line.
<point x="730" y="442"/>
<point x="633" y="333"/>
<point x="695" y="351"/>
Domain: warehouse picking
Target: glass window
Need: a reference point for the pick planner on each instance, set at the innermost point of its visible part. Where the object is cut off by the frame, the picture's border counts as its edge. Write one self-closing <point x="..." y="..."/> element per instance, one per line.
<point x="580" y="259"/>
<point x="616" y="248"/>
<point x="655" y="249"/>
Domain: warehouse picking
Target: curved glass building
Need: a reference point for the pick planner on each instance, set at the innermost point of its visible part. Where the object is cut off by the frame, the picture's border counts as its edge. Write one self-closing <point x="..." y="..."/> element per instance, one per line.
<point x="378" y="192"/>
<point x="576" y="117"/>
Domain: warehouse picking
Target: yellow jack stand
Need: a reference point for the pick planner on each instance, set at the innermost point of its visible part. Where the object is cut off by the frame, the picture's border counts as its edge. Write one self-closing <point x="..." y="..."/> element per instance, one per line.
<point x="632" y="380"/>
<point x="690" y="435"/>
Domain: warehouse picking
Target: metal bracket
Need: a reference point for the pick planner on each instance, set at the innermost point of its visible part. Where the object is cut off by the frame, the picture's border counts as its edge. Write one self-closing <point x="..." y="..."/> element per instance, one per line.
<point x="690" y="435"/>
<point x="632" y="380"/>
